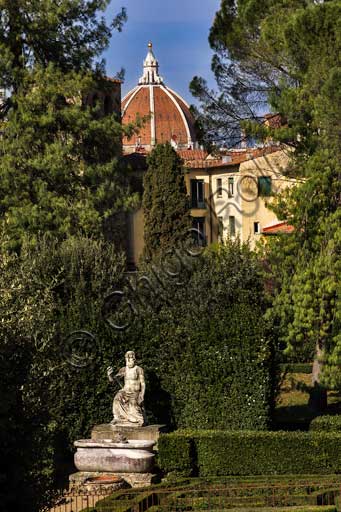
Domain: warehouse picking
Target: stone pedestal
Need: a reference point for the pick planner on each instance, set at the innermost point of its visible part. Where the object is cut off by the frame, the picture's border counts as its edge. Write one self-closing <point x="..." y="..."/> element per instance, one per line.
<point x="109" y="431"/>
<point x="133" y="456"/>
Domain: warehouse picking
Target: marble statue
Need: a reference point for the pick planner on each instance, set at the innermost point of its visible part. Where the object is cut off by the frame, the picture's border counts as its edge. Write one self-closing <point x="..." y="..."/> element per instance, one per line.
<point x="128" y="402"/>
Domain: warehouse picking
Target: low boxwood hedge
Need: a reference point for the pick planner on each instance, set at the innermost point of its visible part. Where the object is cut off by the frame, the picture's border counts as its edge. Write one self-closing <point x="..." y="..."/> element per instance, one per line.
<point x="218" y="453"/>
<point x="326" y="424"/>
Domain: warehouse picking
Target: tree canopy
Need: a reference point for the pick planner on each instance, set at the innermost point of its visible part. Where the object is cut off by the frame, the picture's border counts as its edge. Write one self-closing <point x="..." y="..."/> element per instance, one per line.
<point x="286" y="55"/>
<point x="68" y="33"/>
<point x="60" y="172"/>
<point x="165" y="201"/>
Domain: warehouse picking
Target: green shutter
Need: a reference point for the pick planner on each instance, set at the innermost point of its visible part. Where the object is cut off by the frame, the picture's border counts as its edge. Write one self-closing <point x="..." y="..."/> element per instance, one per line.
<point x="264" y="186"/>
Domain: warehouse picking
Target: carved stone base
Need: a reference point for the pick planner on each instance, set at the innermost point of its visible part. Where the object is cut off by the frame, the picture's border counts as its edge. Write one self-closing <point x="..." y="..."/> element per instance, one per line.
<point x="86" y="481"/>
<point x="132" y="456"/>
<point x="109" y="431"/>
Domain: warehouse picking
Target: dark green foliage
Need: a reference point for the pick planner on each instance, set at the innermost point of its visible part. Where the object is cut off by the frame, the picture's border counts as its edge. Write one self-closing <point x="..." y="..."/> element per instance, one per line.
<point x="165" y="202"/>
<point x="68" y="33"/>
<point x="25" y="311"/>
<point x="203" y="343"/>
<point x="48" y="402"/>
<point x="60" y="173"/>
<point x="288" y="54"/>
<point x="215" y="453"/>
<point x="59" y="169"/>
<point x="215" y="371"/>
<point x="326" y="424"/>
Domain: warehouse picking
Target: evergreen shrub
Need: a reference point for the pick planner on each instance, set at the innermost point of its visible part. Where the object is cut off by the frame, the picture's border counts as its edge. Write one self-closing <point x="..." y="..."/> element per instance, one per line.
<point x="326" y="423"/>
<point x="203" y="343"/>
<point x="218" y="453"/>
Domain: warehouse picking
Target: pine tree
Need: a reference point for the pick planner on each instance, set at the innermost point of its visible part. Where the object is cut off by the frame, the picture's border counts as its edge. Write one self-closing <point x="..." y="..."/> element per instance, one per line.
<point x="165" y="202"/>
<point x="287" y="54"/>
<point x="70" y="34"/>
<point x="60" y="172"/>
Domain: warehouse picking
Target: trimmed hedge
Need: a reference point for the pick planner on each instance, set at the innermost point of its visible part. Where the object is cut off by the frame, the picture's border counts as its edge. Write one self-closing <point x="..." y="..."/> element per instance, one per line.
<point x="218" y="453"/>
<point x="291" y="493"/>
<point x="326" y="424"/>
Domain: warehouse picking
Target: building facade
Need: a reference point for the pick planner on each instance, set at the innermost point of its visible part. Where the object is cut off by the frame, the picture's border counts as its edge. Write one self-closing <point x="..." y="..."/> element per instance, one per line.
<point x="229" y="193"/>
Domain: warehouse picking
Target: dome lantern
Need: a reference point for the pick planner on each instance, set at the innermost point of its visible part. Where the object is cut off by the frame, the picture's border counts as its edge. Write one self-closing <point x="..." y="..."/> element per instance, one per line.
<point x="150" y="69"/>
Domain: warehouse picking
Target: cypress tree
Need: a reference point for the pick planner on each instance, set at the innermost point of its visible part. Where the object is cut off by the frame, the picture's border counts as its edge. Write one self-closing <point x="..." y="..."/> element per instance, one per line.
<point x="165" y="202"/>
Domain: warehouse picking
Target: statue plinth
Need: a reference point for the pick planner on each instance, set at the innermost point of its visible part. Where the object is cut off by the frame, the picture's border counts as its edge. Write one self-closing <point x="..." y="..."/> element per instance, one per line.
<point x="130" y="432"/>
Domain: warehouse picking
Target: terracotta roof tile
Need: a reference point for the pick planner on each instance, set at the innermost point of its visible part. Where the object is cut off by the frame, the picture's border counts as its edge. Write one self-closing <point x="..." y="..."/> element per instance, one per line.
<point x="192" y="154"/>
<point x="278" y="229"/>
<point x="173" y="119"/>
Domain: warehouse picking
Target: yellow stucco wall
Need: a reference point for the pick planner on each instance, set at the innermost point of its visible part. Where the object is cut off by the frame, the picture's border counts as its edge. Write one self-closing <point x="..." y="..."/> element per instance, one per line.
<point x="244" y="204"/>
<point x="254" y="207"/>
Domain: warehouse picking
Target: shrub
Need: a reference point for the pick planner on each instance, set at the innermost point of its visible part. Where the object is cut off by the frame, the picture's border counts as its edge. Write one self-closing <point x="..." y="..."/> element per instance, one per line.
<point x="46" y="402"/>
<point x="326" y="424"/>
<point x="215" y="453"/>
<point x="203" y="343"/>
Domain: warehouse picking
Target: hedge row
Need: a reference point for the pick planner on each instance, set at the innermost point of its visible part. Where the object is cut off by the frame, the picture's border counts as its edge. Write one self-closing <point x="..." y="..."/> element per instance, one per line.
<point x="326" y="424"/>
<point x="217" y="453"/>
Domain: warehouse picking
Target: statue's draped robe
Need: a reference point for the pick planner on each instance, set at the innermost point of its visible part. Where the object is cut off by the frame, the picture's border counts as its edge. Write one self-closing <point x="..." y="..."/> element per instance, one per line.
<point x="125" y="406"/>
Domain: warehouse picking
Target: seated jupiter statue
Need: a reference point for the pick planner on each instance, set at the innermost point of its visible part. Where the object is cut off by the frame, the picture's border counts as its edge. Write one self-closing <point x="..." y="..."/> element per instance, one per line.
<point x="128" y="402"/>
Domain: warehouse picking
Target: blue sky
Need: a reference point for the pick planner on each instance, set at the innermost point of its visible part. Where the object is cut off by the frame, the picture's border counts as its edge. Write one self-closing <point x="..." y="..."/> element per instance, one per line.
<point x="179" y="32"/>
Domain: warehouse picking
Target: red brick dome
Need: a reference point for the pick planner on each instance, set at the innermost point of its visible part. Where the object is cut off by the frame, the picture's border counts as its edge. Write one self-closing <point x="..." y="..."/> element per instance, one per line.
<point x="169" y="116"/>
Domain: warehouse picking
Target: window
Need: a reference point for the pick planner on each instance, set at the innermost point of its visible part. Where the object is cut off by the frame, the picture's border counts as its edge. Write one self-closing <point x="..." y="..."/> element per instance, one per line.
<point x="197" y="194"/>
<point x="220" y="228"/>
<point x="256" y="228"/>
<point x="264" y="185"/>
<point x="219" y="187"/>
<point x="198" y="224"/>
<point x="108" y="105"/>
<point x="231" y="187"/>
<point x="232" y="226"/>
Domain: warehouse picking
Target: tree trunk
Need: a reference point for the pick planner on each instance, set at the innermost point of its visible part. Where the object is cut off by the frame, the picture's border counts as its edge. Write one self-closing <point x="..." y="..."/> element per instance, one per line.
<point x="318" y="394"/>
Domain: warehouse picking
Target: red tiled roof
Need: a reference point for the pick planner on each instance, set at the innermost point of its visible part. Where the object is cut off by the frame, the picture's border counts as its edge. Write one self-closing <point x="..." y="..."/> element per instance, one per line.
<point x="278" y="229"/>
<point x="204" y="164"/>
<point x="274" y="120"/>
<point x="172" y="116"/>
<point x="192" y="154"/>
<point x="140" y="104"/>
<point x="230" y="158"/>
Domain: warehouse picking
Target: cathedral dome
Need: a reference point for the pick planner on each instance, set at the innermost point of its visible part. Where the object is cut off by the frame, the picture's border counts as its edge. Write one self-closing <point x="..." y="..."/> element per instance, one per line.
<point x="169" y="117"/>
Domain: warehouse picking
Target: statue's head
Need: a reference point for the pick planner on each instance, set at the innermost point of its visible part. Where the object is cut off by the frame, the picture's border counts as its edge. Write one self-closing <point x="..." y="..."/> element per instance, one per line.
<point x="130" y="358"/>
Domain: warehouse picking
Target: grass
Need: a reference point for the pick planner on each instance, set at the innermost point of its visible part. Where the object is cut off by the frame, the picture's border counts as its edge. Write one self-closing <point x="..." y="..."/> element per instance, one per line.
<point x="292" y="408"/>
